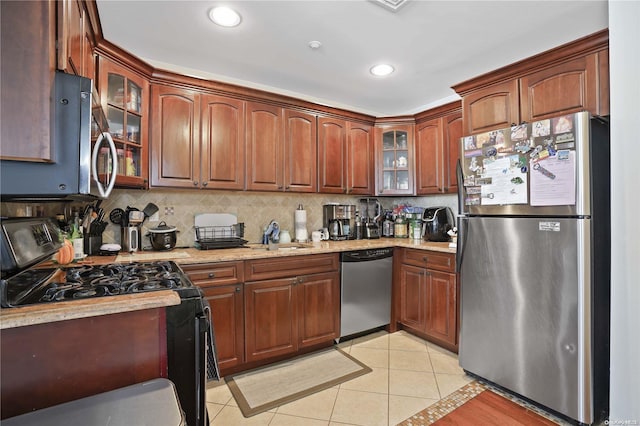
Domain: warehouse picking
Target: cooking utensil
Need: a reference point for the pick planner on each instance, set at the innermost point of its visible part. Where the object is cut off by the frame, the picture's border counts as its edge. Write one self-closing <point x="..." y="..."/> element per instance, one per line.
<point x="116" y="216"/>
<point x="149" y="210"/>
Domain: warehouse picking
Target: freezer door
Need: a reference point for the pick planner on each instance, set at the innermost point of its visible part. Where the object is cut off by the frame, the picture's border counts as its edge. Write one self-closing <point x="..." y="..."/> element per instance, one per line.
<point x="525" y="298"/>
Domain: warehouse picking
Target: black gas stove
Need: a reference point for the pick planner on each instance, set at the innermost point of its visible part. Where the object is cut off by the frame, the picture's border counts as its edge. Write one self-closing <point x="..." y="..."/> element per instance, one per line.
<point x="191" y="359"/>
<point x="86" y="281"/>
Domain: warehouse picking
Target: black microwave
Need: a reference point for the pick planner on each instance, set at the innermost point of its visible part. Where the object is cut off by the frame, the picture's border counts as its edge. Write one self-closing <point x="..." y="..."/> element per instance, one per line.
<point x="69" y="175"/>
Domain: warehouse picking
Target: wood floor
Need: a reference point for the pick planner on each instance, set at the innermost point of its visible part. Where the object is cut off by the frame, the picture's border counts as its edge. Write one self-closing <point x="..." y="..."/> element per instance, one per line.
<point x="491" y="409"/>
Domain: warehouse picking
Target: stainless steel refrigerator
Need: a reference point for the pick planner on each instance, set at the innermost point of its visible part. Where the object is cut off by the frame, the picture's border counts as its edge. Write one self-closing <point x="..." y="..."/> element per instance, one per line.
<point x="534" y="262"/>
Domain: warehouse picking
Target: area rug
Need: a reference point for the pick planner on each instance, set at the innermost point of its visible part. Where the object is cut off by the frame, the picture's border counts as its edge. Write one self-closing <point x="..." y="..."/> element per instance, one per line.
<point x="468" y="405"/>
<point x="264" y="388"/>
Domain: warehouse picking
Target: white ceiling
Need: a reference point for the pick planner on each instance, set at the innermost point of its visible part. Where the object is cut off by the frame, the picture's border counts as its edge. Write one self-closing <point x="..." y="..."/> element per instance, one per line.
<point x="432" y="44"/>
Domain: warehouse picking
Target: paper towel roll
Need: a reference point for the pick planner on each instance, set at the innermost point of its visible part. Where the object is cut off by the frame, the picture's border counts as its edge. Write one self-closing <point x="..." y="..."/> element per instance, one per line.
<point x="300" y="222"/>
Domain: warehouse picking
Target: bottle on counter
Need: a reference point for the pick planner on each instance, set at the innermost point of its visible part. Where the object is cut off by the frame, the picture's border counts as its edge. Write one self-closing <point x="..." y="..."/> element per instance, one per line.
<point x="359" y="228"/>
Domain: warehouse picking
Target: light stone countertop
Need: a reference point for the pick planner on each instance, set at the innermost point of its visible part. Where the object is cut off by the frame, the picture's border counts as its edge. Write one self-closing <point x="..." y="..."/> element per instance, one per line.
<point x="186" y="256"/>
<point x="51" y="312"/>
<point x="75" y="309"/>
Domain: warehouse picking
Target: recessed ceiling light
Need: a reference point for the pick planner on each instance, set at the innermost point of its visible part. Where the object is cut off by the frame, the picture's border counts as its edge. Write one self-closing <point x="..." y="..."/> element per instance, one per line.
<point x="315" y="44"/>
<point x="381" y="70"/>
<point x="224" y="16"/>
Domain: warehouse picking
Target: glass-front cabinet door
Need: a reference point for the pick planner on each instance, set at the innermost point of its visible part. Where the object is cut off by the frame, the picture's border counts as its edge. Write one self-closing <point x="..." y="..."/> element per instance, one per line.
<point x="125" y="100"/>
<point x="395" y="172"/>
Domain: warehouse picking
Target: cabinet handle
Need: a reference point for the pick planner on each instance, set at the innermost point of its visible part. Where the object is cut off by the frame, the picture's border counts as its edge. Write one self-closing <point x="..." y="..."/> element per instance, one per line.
<point x="513" y="124"/>
<point x="279" y="186"/>
<point x="212" y="274"/>
<point x="425" y="259"/>
<point x="300" y="280"/>
<point x="237" y="289"/>
<point x="204" y="183"/>
<point x="287" y="187"/>
<point x="195" y="183"/>
<point x="294" y="281"/>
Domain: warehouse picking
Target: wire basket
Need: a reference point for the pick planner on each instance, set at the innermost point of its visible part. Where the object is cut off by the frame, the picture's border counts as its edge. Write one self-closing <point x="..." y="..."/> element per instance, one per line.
<point x="209" y="233"/>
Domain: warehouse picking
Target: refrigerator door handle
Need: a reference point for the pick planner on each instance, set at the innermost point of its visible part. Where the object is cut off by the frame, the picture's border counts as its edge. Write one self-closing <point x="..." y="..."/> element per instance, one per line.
<point x="462" y="239"/>
<point x="460" y="187"/>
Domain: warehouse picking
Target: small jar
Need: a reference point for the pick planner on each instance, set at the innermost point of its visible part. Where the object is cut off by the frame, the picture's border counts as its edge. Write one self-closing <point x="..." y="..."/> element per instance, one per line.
<point x="400" y="228"/>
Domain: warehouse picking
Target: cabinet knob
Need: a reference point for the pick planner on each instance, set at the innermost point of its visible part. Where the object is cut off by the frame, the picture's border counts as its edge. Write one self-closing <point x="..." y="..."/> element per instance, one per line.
<point x="212" y="274"/>
<point x="279" y="186"/>
<point x="195" y="183"/>
<point x="205" y="183"/>
<point x="287" y="187"/>
<point x="300" y="280"/>
<point x="237" y="289"/>
<point x="294" y="281"/>
<point x="425" y="259"/>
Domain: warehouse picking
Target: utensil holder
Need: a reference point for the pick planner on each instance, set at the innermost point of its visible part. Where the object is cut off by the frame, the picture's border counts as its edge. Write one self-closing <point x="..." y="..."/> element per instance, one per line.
<point x="92" y="244"/>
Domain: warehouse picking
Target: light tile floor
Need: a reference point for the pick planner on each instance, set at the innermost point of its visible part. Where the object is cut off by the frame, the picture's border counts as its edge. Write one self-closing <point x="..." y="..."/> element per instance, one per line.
<point x="409" y="374"/>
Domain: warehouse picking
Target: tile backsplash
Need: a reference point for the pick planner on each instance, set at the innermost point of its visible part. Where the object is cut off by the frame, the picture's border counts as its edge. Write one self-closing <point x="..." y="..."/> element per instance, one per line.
<point x="256" y="209"/>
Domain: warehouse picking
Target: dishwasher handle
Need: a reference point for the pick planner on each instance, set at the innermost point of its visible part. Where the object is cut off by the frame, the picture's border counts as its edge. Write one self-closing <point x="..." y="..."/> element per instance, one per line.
<point x="366" y="255"/>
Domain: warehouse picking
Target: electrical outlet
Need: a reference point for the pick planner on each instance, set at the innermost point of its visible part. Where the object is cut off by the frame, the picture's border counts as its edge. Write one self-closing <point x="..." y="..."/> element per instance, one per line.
<point x="168" y="211"/>
<point x="154" y="217"/>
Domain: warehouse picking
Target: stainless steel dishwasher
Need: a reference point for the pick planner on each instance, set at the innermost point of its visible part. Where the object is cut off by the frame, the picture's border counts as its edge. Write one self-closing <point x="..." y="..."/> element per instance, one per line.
<point x="366" y="290"/>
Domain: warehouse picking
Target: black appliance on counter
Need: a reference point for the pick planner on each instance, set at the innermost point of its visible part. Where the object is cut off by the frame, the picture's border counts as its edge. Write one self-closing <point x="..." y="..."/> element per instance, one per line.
<point x="191" y="360"/>
<point x="436" y="222"/>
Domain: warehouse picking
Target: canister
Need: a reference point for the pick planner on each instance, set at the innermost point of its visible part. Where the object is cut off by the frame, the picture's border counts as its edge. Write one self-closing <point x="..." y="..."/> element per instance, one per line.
<point x="400" y="227"/>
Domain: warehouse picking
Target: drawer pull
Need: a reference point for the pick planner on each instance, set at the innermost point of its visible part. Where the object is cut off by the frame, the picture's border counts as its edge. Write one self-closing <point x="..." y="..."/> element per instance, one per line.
<point x="212" y="274"/>
<point x="425" y="259"/>
<point x="237" y="289"/>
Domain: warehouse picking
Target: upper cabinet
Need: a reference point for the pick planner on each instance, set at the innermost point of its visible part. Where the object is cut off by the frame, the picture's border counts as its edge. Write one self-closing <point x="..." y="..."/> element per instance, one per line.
<point x="222" y="159"/>
<point x="75" y="39"/>
<point x="395" y="160"/>
<point x="300" y="151"/>
<point x="332" y="162"/>
<point x="27" y="79"/>
<point x="360" y="173"/>
<point x="345" y="157"/>
<point x="281" y="149"/>
<point x="438" y="134"/>
<point x="125" y="101"/>
<point x="570" y="78"/>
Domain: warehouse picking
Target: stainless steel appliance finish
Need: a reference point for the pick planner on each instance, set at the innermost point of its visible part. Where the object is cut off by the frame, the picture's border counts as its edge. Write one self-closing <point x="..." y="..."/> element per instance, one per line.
<point x="371" y="216"/>
<point x="436" y="221"/>
<point x="366" y="290"/>
<point x="535" y="266"/>
<point x="69" y="176"/>
<point x="340" y="220"/>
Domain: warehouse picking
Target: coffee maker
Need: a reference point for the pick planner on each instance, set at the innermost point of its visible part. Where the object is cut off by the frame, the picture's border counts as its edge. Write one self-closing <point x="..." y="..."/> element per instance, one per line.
<point x="371" y="216"/>
<point x="339" y="219"/>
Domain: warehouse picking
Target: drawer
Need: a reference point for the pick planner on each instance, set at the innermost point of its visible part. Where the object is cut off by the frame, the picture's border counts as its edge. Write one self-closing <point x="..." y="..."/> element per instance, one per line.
<point x="215" y="274"/>
<point x="282" y="267"/>
<point x="430" y="259"/>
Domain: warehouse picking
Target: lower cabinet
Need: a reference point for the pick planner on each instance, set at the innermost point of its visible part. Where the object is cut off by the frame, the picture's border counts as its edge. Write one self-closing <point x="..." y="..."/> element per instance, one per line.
<point x="263" y="309"/>
<point x="295" y="309"/>
<point x="222" y="286"/>
<point x="428" y="296"/>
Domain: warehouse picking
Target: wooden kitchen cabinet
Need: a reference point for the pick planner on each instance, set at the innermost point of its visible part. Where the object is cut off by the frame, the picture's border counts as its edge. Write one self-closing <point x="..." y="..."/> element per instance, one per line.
<point x="360" y="157"/>
<point x="437" y="150"/>
<point x="300" y="151"/>
<point x="394" y="151"/>
<point x="75" y="39"/>
<point x="570" y="78"/>
<point x="332" y="162"/>
<point x="281" y="149"/>
<point x="125" y="101"/>
<point x="197" y="139"/>
<point x="175" y="147"/>
<point x="291" y="303"/>
<point x="222" y="144"/>
<point x="222" y="285"/>
<point x="345" y="157"/>
<point x="27" y="79"/>
<point x="428" y="296"/>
